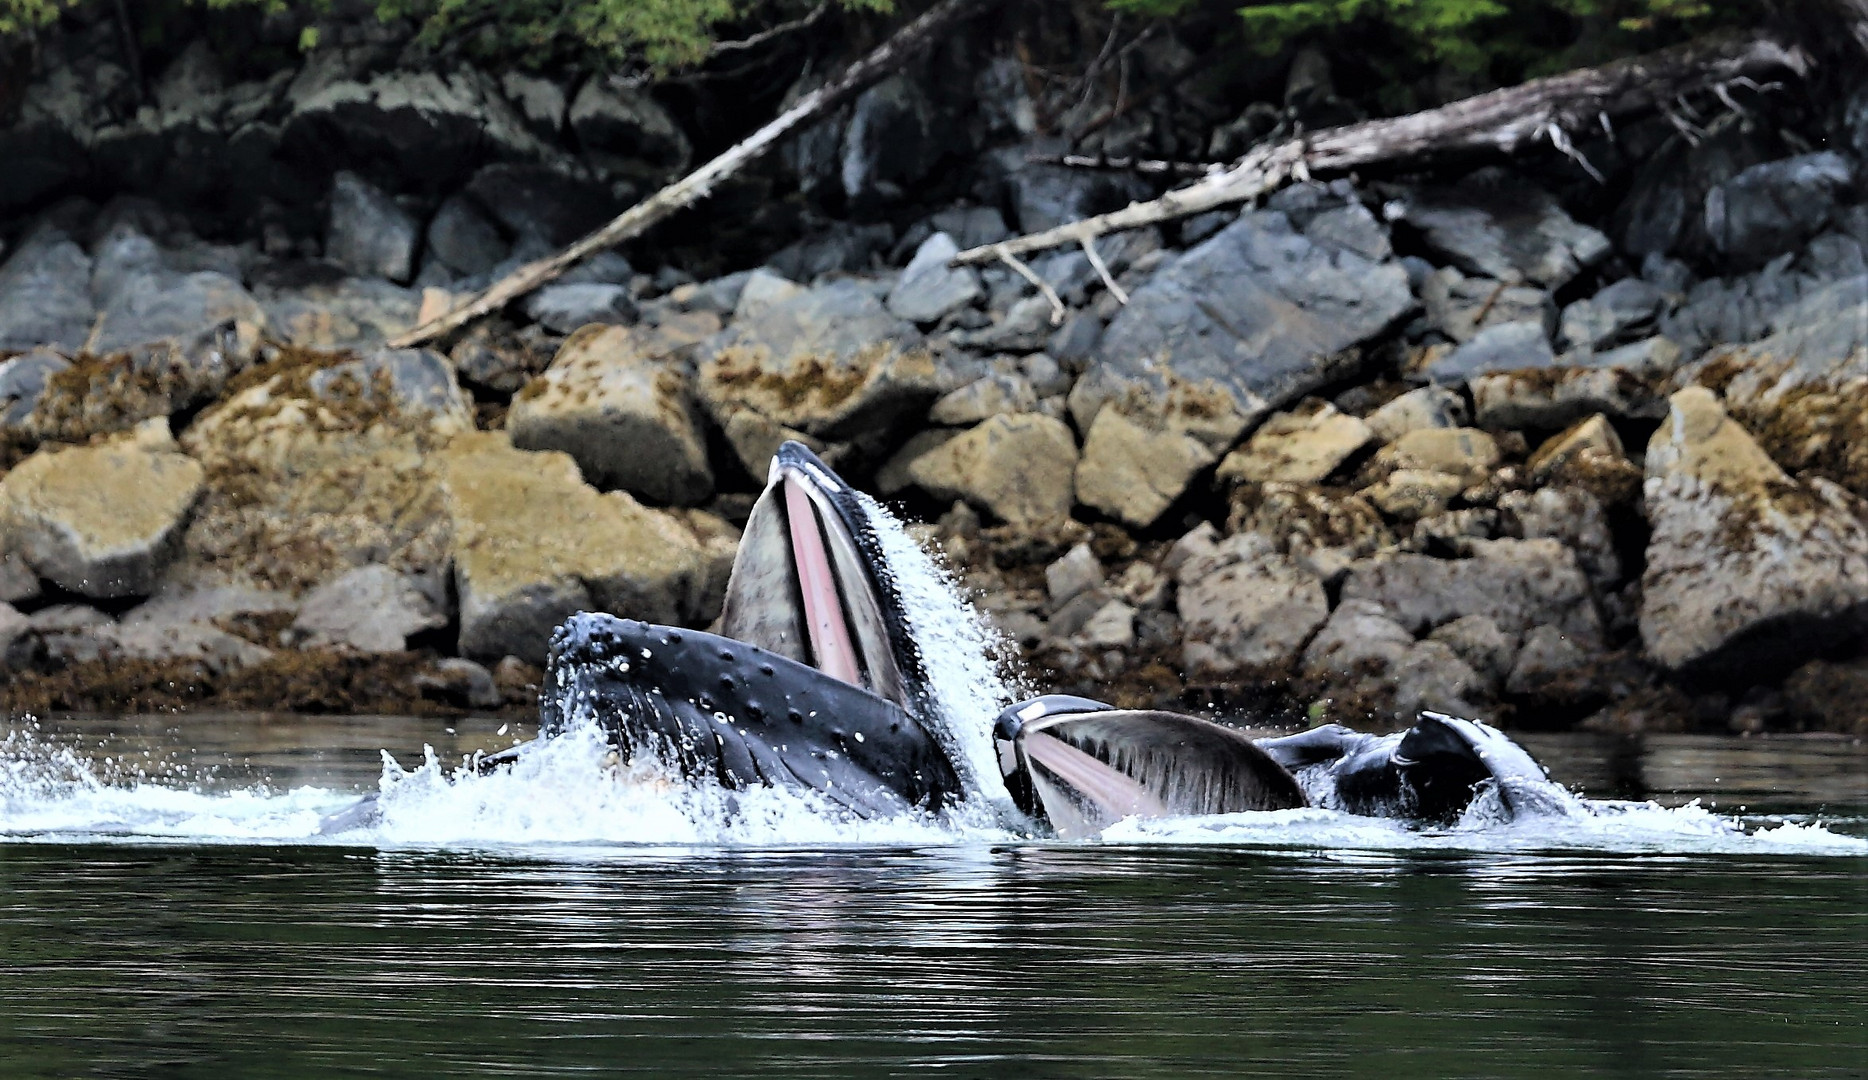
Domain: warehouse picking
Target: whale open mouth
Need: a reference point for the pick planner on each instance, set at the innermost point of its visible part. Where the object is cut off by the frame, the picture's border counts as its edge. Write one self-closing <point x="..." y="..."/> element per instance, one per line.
<point x="1082" y="765"/>
<point x="805" y="581"/>
<point x="812" y="681"/>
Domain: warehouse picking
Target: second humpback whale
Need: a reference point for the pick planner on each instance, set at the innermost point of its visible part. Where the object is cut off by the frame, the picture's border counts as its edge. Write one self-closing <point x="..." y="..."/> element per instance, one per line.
<point x="817" y="680"/>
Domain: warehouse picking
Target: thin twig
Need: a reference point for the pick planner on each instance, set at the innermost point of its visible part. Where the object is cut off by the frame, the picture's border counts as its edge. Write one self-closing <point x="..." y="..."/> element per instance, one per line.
<point x="764" y="36"/>
<point x="1026" y="272"/>
<point x="1102" y="270"/>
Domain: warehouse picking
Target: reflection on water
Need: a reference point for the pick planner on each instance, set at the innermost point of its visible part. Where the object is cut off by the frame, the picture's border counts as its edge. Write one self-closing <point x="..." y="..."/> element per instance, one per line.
<point x="1036" y="961"/>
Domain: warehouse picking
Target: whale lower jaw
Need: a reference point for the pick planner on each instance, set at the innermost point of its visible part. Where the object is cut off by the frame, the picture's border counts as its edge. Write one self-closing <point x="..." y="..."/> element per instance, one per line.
<point x="721" y="710"/>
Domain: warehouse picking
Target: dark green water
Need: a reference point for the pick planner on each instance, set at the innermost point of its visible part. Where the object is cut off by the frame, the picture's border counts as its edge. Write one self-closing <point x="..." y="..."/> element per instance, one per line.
<point x="975" y="961"/>
<point x="163" y="914"/>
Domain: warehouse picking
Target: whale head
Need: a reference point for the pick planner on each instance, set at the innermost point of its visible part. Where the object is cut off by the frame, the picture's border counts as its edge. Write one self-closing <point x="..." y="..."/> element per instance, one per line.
<point x="813" y="679"/>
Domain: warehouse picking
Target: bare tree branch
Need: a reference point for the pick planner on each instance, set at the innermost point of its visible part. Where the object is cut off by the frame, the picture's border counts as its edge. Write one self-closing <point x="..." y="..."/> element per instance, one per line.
<point x="764" y="36"/>
<point x="1502" y="120"/>
<point x="698" y="184"/>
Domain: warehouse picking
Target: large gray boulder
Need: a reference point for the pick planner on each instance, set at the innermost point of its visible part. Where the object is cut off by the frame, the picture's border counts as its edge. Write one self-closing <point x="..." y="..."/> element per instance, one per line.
<point x="45" y="294"/>
<point x="929" y="288"/>
<point x="146" y="294"/>
<point x="371" y="609"/>
<point x="368" y="232"/>
<point x="350" y="312"/>
<point x="1517" y="584"/>
<point x="1619" y="312"/>
<point x="1515" y="346"/>
<point x="1505" y="228"/>
<point x="624" y="132"/>
<point x="1772" y="207"/>
<point x="891" y="143"/>
<point x="1748" y="570"/>
<point x="462" y="239"/>
<point x="1246" y="608"/>
<point x="620" y="401"/>
<point x="1251" y="319"/>
<point x="23" y="381"/>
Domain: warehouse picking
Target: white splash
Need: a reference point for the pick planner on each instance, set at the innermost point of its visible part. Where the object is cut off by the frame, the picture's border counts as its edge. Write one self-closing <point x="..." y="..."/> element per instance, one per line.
<point x="570" y="797"/>
<point x="960" y="649"/>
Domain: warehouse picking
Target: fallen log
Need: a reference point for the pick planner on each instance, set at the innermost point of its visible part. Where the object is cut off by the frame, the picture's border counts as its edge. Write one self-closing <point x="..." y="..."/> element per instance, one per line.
<point x="887" y="57"/>
<point x="1501" y="120"/>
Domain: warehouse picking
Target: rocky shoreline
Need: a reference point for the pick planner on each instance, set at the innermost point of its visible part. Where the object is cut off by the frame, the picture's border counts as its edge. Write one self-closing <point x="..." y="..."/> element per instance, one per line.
<point x="1461" y="440"/>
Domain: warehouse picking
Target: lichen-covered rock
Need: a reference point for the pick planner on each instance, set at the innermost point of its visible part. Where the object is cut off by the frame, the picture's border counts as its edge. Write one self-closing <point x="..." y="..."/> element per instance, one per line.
<point x="1466" y="454"/>
<point x="1411" y="494"/>
<point x="1517" y="584"/>
<point x="101" y="395"/>
<point x="1254" y="317"/>
<point x="323" y="464"/>
<point x="1572" y="515"/>
<point x="533" y="544"/>
<point x="1801" y="389"/>
<point x="1246" y="608"/>
<point x="102" y="521"/>
<point x="1301" y="446"/>
<point x="621" y="404"/>
<point x="830" y="362"/>
<point x="1587" y="455"/>
<point x="1133" y="469"/>
<point x="1478" y="641"/>
<point x="1017" y="466"/>
<point x="1323" y="529"/>
<point x="371" y="609"/>
<point x="983" y="398"/>
<point x="1626" y="383"/>
<point x="346" y="313"/>
<point x="1547" y="659"/>
<point x="1745" y="565"/>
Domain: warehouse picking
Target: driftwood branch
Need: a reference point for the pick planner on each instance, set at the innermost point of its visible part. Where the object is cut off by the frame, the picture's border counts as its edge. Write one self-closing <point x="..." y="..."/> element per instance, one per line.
<point x="1502" y="120"/>
<point x="698" y="184"/>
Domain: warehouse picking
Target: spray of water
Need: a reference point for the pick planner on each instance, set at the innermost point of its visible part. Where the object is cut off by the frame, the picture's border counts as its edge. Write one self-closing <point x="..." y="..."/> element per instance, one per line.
<point x="967" y="684"/>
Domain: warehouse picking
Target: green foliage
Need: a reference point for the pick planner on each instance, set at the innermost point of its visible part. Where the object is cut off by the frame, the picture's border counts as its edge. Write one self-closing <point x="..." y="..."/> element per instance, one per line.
<point x="664" y="34"/>
<point x="1502" y="39"/>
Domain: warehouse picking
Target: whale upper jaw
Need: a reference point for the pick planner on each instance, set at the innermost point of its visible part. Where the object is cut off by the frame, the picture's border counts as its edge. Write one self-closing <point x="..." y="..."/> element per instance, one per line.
<point x="811" y="584"/>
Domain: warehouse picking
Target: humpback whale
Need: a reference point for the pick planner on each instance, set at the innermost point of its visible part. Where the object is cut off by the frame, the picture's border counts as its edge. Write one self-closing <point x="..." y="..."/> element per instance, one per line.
<point x="816" y="680"/>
